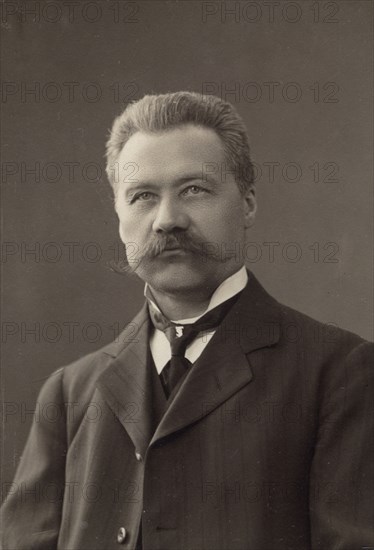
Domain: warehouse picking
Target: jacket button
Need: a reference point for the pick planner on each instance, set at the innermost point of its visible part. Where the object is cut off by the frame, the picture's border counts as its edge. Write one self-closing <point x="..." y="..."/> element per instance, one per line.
<point x="138" y="457"/>
<point x="121" y="535"/>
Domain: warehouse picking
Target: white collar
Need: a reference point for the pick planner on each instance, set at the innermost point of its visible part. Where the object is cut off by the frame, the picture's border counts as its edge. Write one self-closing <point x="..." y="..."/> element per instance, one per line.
<point x="226" y="290"/>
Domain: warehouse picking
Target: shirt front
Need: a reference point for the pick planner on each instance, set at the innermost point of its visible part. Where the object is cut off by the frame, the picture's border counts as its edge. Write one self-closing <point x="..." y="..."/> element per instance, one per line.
<point x="159" y="344"/>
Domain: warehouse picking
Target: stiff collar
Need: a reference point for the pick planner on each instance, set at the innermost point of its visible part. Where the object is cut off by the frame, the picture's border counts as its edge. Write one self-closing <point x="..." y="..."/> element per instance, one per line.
<point x="226" y="290"/>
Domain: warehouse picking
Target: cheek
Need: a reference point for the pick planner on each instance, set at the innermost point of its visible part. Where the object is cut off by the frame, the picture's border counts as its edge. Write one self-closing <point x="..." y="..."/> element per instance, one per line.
<point x="134" y="230"/>
<point x="127" y="228"/>
<point x="122" y="233"/>
<point x="128" y="224"/>
<point x="224" y="222"/>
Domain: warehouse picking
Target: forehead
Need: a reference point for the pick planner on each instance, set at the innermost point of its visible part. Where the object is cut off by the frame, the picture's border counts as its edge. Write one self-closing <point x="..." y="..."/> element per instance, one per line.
<point x="176" y="150"/>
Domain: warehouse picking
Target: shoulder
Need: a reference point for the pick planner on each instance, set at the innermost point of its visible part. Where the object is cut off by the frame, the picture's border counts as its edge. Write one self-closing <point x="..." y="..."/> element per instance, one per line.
<point x="324" y="344"/>
<point x="337" y="363"/>
<point x="300" y="342"/>
<point x="298" y="327"/>
<point x="327" y="365"/>
<point x="77" y="381"/>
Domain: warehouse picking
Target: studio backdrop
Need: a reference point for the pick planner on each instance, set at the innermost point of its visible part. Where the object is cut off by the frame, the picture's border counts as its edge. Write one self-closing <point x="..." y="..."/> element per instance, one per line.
<point x="299" y="73"/>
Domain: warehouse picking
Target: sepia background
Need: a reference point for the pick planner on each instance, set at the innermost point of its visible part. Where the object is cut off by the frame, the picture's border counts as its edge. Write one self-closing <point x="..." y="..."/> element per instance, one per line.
<point x="300" y="75"/>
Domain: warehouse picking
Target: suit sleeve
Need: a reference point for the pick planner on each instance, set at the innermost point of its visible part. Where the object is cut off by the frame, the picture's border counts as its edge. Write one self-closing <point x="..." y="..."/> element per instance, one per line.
<point x="32" y="512"/>
<point x="341" y="490"/>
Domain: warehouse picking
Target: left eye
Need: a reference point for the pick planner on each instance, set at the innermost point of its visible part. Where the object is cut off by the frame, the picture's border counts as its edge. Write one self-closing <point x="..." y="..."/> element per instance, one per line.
<point x="194" y="189"/>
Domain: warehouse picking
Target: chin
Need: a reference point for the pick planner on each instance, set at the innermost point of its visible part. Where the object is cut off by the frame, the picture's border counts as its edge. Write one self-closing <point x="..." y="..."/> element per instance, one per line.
<point x="176" y="277"/>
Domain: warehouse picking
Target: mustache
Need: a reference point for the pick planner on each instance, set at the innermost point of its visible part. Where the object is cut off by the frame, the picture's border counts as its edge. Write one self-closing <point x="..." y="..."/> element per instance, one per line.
<point x="158" y="244"/>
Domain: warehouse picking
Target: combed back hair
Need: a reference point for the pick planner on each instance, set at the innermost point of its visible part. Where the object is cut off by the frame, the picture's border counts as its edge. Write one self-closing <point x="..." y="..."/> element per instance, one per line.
<point x="159" y="113"/>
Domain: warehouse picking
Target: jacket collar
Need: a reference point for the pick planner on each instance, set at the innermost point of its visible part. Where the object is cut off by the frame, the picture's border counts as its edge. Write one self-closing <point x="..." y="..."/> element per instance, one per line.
<point x="221" y="371"/>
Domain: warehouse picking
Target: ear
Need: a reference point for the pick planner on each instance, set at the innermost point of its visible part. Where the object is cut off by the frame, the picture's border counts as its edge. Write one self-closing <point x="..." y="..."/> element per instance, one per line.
<point x="250" y="207"/>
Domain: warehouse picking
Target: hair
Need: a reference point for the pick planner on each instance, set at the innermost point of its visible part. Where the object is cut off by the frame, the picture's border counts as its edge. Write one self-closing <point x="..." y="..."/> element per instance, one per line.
<point x="159" y="113"/>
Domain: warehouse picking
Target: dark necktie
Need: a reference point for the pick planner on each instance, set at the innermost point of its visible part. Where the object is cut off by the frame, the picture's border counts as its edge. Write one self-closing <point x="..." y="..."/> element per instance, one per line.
<point x="180" y="336"/>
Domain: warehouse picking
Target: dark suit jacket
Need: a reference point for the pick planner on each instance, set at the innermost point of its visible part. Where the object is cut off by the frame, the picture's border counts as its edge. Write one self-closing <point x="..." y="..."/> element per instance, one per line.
<point x="265" y="447"/>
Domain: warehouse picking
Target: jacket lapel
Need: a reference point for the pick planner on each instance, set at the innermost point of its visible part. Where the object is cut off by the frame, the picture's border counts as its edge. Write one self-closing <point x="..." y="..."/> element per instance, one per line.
<point x="126" y="384"/>
<point x="224" y="368"/>
<point x="220" y="372"/>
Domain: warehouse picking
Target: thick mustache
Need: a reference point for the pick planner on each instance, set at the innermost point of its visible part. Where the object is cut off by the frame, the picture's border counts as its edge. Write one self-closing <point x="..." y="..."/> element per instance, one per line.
<point x="160" y="243"/>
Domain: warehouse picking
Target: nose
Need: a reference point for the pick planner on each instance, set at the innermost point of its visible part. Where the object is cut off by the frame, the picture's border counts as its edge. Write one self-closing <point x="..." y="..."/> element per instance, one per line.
<point x="170" y="215"/>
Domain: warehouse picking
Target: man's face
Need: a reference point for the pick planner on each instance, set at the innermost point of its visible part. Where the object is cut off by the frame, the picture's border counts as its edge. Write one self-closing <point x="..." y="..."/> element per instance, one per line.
<point x="182" y="218"/>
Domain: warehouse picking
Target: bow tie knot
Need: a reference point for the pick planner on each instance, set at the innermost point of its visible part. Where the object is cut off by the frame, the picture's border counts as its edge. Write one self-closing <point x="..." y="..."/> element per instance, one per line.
<point x="180" y="336"/>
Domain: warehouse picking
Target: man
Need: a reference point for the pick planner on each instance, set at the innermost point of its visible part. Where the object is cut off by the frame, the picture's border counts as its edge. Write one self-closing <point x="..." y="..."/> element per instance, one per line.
<point x="206" y="426"/>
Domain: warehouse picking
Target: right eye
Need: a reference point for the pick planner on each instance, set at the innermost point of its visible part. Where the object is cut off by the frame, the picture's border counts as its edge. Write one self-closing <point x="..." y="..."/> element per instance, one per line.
<point x="144" y="196"/>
